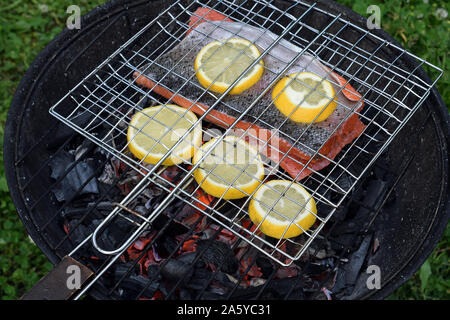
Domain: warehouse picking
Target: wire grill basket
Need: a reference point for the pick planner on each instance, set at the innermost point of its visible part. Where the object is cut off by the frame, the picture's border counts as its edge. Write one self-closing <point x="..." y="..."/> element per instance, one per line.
<point x="110" y="95"/>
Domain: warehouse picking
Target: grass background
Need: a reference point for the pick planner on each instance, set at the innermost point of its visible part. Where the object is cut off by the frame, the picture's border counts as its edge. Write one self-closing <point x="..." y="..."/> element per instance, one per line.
<point x="26" y="26"/>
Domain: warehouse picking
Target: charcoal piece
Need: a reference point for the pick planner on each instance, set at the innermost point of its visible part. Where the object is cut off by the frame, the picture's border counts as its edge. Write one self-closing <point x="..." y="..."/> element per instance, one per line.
<point x="154" y="200"/>
<point x="205" y="280"/>
<point x="346" y="232"/>
<point x="174" y="207"/>
<point x="100" y="155"/>
<point x="375" y="194"/>
<point x="290" y="288"/>
<point x="171" y="227"/>
<point x="344" y="241"/>
<point x="113" y="234"/>
<point x="183" y="212"/>
<point x="77" y="231"/>
<point x="131" y="283"/>
<point x="318" y="267"/>
<point x="266" y="266"/>
<point x="109" y="193"/>
<point x="165" y="246"/>
<point x="219" y="254"/>
<point x="185" y="294"/>
<point x="59" y="163"/>
<point x="73" y="213"/>
<point x="63" y="132"/>
<point x="200" y="279"/>
<point x="135" y="286"/>
<point x="95" y="210"/>
<point x="175" y="270"/>
<point x="188" y="258"/>
<point x="223" y="279"/>
<point x="229" y="208"/>
<point x="125" y="269"/>
<point x="153" y="272"/>
<point x="71" y="181"/>
<point x="211" y="296"/>
<point x="83" y="149"/>
<point x="348" y="274"/>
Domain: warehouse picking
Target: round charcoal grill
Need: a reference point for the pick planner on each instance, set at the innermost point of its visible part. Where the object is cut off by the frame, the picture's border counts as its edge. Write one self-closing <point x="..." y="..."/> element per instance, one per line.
<point x="392" y="218"/>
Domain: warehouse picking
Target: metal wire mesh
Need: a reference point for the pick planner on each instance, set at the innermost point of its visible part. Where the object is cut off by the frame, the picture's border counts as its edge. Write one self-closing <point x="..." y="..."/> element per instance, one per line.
<point x="110" y="96"/>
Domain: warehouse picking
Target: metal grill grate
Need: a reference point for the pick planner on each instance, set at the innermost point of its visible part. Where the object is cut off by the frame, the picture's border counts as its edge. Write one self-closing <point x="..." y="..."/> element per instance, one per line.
<point x="109" y="96"/>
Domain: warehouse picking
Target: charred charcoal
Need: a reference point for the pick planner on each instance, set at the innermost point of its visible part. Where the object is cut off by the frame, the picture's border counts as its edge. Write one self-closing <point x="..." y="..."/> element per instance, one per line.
<point x="200" y="279"/>
<point x="175" y="270"/>
<point x="153" y="272"/>
<point x="63" y="132"/>
<point x="180" y="210"/>
<point x="130" y="269"/>
<point x="290" y="288"/>
<point x="340" y="213"/>
<point x="344" y="241"/>
<point x="339" y="181"/>
<point x="59" y="163"/>
<point x="185" y="294"/>
<point x="229" y="208"/>
<point x="348" y="274"/>
<point x="74" y="213"/>
<point x="125" y="269"/>
<point x="266" y="266"/>
<point x="88" y="212"/>
<point x="132" y="286"/>
<point x="171" y="227"/>
<point x="165" y="246"/>
<point x="319" y="267"/>
<point x="218" y="254"/>
<point x="321" y="248"/>
<point x="83" y="149"/>
<point x="189" y="258"/>
<point x="223" y="279"/>
<point x="211" y="296"/>
<point x="82" y="173"/>
<point x="154" y="199"/>
<point x="108" y="175"/>
<point x="77" y="231"/>
<point x="113" y="234"/>
<point x="343" y="232"/>
<point x="141" y="210"/>
<point x="212" y="282"/>
<point x="375" y="194"/>
<point x="169" y="176"/>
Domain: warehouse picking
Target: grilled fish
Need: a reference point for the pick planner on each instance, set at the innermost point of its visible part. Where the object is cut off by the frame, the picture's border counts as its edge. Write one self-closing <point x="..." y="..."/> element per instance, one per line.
<point x="300" y="149"/>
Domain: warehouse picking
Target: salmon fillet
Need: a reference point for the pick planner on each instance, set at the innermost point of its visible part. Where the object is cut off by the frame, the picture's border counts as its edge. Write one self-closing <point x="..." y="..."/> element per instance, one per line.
<point x="287" y="143"/>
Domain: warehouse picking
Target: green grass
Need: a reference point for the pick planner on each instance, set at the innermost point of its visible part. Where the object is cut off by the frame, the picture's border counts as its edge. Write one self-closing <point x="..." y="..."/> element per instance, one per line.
<point x="26" y="26"/>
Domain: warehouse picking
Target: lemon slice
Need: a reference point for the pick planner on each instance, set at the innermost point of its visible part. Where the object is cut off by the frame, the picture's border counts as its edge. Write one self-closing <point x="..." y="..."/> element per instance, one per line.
<point x="232" y="162"/>
<point x="304" y="96"/>
<point x="277" y="203"/>
<point x="221" y="63"/>
<point x="153" y="131"/>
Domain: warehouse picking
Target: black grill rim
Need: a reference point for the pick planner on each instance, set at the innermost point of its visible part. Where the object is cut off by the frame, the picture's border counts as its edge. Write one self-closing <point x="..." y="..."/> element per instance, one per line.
<point x="23" y="99"/>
